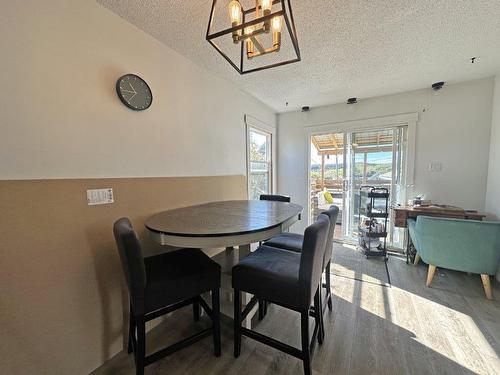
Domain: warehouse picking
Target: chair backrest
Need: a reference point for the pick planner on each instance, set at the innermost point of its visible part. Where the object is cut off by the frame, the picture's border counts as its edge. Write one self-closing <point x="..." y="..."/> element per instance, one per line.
<point x="462" y="245"/>
<point x="132" y="261"/>
<point x="332" y="213"/>
<point x="274" y="197"/>
<point x="311" y="259"/>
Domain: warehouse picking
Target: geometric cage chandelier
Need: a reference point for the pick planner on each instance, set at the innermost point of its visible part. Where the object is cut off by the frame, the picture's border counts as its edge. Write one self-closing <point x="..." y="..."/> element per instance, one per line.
<point x="253" y="35"/>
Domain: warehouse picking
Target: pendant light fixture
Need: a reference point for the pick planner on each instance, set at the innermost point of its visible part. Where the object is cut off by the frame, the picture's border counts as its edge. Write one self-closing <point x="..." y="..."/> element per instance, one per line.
<point x="258" y="37"/>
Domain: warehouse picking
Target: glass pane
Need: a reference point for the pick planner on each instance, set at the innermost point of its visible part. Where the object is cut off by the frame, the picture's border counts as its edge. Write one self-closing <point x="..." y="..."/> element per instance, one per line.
<point x="259" y="176"/>
<point x="372" y="165"/>
<point x="327" y="175"/>
<point x="398" y="194"/>
<point x="259" y="184"/>
<point x="259" y="166"/>
<point x="374" y="157"/>
<point x="259" y="146"/>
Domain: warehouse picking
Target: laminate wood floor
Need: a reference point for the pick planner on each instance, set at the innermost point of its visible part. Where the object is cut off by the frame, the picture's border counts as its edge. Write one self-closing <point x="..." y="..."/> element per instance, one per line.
<point x="405" y="328"/>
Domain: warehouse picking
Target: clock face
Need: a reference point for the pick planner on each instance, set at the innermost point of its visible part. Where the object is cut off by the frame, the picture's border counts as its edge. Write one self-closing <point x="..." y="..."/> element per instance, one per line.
<point x="134" y="92"/>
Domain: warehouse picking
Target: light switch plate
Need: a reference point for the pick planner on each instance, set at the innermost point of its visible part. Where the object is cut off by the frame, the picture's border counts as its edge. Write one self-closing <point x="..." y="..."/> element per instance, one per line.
<point x="100" y="196"/>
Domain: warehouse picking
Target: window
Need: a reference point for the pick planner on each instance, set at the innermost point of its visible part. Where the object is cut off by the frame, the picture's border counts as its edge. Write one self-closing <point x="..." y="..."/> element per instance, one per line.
<point x="259" y="159"/>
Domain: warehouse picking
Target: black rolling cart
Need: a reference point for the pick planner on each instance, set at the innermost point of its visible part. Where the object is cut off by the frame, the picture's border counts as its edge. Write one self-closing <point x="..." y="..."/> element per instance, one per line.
<point x="372" y="220"/>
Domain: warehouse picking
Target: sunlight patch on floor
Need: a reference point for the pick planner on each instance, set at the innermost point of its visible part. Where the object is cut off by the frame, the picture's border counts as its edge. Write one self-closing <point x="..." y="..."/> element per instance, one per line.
<point x="429" y="317"/>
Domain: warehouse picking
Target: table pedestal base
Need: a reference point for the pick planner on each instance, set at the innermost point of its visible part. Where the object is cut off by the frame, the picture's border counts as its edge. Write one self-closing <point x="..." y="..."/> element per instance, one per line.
<point x="227" y="259"/>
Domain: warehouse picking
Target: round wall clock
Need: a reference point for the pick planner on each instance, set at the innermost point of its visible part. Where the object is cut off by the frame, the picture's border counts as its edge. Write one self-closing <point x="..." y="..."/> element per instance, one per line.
<point x="134" y="92"/>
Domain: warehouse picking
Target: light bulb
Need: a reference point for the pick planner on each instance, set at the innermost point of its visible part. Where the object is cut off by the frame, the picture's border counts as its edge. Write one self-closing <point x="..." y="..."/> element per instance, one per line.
<point x="250" y="48"/>
<point x="235" y="12"/>
<point x="276" y="24"/>
<point x="266" y="5"/>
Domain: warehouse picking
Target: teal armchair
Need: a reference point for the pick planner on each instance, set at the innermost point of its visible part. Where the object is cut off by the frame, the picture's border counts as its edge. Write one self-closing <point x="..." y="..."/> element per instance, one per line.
<point x="461" y="245"/>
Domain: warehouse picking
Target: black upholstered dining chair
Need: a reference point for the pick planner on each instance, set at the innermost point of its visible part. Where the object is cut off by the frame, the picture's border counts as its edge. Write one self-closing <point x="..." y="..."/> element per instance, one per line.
<point x="161" y="284"/>
<point x="286" y="278"/>
<point x="275" y="198"/>
<point x="293" y="242"/>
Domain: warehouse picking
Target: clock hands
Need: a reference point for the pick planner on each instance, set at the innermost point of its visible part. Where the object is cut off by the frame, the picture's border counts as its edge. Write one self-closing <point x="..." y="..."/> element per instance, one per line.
<point x="127" y="92"/>
<point x="132" y="97"/>
<point x="130" y="92"/>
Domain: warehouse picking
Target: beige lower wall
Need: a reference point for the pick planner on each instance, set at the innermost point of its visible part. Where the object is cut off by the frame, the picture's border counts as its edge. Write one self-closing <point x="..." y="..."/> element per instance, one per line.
<point x="62" y="290"/>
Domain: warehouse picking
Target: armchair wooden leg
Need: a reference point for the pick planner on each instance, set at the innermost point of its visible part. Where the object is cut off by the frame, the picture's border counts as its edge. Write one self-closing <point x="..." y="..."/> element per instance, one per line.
<point x="417" y="259"/>
<point x="487" y="286"/>
<point x="430" y="274"/>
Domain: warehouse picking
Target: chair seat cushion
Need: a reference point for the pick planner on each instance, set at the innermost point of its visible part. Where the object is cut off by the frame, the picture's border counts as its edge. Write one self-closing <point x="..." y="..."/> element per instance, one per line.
<point x="177" y="276"/>
<point x="289" y="241"/>
<point x="271" y="274"/>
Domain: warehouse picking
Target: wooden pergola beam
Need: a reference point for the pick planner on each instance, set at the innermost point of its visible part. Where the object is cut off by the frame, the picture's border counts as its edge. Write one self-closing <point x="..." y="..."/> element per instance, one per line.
<point x="315" y="143"/>
<point x="358" y="150"/>
<point x="334" y="141"/>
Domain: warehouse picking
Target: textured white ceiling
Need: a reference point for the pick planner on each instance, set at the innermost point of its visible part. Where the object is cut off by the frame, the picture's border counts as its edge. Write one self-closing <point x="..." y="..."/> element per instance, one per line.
<point x="359" y="48"/>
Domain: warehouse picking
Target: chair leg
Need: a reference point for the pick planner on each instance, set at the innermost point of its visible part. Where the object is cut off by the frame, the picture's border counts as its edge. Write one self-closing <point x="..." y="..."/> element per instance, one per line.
<point x="141" y="346"/>
<point x="417" y="259"/>
<point x="216" y="320"/>
<point x="318" y="307"/>
<point x="131" y="331"/>
<point x="430" y="274"/>
<point x="261" y="309"/>
<point x="306" y="353"/>
<point x="237" y="323"/>
<point x="328" y="286"/>
<point x="487" y="286"/>
<point x="196" y="309"/>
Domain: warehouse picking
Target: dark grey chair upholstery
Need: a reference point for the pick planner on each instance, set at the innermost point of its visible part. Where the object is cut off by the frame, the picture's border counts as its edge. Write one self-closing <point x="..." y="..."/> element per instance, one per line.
<point x="274" y="197"/>
<point x="161" y="284"/>
<point x="286" y="278"/>
<point x="293" y="242"/>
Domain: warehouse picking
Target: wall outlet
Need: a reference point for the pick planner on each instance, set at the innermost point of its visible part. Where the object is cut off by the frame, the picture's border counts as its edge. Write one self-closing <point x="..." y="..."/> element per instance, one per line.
<point x="100" y="196"/>
<point x="435" y="166"/>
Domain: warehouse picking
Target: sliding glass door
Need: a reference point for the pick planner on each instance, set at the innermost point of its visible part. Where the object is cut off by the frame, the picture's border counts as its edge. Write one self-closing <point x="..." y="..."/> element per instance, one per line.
<point x="343" y="162"/>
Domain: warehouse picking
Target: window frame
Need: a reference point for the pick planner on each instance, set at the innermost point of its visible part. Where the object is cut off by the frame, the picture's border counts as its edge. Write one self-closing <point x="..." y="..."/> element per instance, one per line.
<point x="257" y="126"/>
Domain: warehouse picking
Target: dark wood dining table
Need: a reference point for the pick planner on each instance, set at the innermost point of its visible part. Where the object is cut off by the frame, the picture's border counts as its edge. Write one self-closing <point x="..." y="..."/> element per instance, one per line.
<point x="231" y="225"/>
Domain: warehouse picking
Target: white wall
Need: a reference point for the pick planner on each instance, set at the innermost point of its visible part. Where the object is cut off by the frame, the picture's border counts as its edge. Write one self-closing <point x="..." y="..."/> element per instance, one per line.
<point x="493" y="192"/>
<point x="453" y="128"/>
<point x="61" y="117"/>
